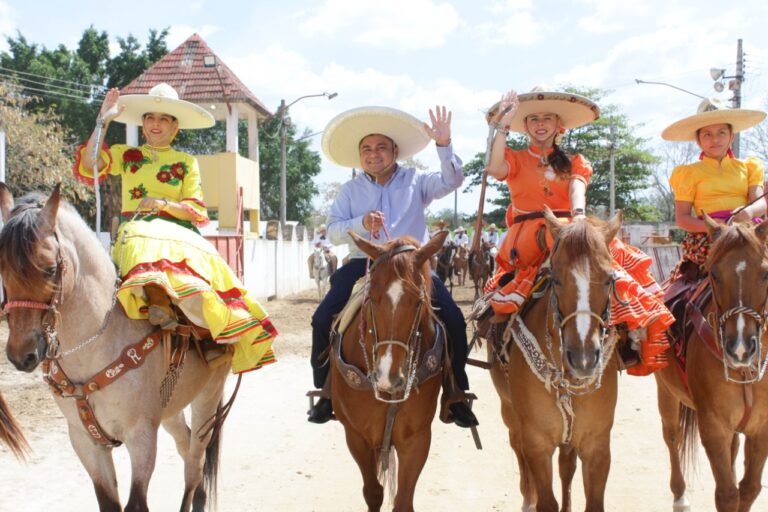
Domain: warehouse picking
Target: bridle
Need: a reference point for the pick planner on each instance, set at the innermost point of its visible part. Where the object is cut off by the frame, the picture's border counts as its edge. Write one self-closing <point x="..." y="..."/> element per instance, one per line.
<point x="757" y="367"/>
<point x="52" y="316"/>
<point x="412" y="345"/>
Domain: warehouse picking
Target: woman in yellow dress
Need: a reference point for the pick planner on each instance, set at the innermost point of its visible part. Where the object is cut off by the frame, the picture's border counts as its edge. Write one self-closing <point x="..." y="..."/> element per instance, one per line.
<point x="717" y="183"/>
<point x="161" y="256"/>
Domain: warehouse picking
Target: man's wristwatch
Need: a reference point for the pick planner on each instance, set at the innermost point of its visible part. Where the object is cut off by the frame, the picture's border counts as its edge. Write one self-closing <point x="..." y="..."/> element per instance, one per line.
<point x="577" y="211"/>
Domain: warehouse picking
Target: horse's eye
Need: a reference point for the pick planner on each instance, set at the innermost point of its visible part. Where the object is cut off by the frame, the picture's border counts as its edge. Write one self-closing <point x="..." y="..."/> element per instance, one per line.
<point x="714" y="276"/>
<point x="556" y="281"/>
<point x="49" y="272"/>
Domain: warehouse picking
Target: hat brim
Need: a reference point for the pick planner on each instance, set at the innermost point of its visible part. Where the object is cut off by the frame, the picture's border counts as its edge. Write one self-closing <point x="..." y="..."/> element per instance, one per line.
<point x="344" y="132"/>
<point x="189" y="115"/>
<point x="685" y="129"/>
<point x="574" y="110"/>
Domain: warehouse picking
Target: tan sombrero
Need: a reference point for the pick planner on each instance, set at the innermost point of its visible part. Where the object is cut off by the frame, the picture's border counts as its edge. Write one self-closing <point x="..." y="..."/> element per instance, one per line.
<point x="712" y="111"/>
<point x="492" y="227"/>
<point x="461" y="229"/>
<point x="163" y="98"/>
<point x="574" y="110"/>
<point x="342" y="136"/>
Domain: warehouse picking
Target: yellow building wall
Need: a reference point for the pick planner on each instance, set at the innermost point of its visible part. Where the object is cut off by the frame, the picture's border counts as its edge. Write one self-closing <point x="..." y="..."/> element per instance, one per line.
<point x="222" y="174"/>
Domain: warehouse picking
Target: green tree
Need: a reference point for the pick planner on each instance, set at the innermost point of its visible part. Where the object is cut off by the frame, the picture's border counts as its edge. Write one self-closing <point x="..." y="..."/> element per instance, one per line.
<point x="302" y="165"/>
<point x="37" y="156"/>
<point x="634" y="164"/>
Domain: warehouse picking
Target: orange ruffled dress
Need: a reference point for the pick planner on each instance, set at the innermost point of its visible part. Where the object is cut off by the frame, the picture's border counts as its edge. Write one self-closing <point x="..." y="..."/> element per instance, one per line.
<point x="532" y="186"/>
<point x="160" y="250"/>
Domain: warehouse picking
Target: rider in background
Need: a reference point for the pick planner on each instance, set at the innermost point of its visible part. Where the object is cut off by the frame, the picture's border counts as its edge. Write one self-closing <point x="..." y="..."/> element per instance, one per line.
<point x="461" y="238"/>
<point x="543" y="174"/>
<point x="386" y="201"/>
<point x="717" y="184"/>
<point x="165" y="263"/>
<point x="321" y="241"/>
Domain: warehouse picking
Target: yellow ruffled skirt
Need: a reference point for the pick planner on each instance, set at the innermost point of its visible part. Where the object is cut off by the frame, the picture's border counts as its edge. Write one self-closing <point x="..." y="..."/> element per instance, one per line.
<point x="198" y="281"/>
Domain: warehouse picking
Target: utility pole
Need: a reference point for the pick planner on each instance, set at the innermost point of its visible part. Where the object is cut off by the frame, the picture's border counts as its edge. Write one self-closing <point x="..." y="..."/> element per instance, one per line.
<point x="612" y="148"/>
<point x="283" y="120"/>
<point x="735" y="85"/>
<point x="455" y="209"/>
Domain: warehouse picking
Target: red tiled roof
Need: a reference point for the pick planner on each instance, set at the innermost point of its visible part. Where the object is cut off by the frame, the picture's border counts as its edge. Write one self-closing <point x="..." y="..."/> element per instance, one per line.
<point x="183" y="69"/>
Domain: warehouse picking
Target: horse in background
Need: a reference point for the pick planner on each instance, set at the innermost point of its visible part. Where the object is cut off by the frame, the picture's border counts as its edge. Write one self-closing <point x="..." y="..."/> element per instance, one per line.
<point x="460" y="264"/>
<point x="725" y="359"/>
<point x="555" y="371"/>
<point x="323" y="265"/>
<point x="479" y="264"/>
<point x="10" y="432"/>
<point x="445" y="264"/>
<point x="62" y="312"/>
<point x="386" y="370"/>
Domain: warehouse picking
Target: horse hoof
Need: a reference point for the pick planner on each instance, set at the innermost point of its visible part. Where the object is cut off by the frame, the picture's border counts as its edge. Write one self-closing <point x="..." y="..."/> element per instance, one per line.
<point x="681" y="504"/>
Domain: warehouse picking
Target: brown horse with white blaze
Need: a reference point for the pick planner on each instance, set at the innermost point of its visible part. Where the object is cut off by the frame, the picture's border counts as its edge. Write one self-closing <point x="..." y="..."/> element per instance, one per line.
<point x="725" y="364"/>
<point x="386" y="370"/>
<point x="61" y="310"/>
<point x="554" y="368"/>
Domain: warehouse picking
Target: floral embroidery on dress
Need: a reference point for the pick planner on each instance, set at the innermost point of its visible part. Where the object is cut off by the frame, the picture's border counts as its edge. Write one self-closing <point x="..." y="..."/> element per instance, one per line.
<point x="133" y="159"/>
<point x="172" y="173"/>
<point x="139" y="192"/>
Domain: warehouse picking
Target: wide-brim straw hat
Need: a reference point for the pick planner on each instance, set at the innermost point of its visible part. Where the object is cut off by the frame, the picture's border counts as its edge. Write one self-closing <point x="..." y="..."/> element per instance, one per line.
<point x="574" y="110"/>
<point x="342" y="136"/>
<point x="492" y="227"/>
<point x="461" y="229"/>
<point x="164" y="99"/>
<point x="712" y="111"/>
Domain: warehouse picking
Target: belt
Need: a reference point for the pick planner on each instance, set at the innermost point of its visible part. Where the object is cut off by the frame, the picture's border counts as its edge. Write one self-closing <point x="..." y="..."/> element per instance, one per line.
<point x="539" y="215"/>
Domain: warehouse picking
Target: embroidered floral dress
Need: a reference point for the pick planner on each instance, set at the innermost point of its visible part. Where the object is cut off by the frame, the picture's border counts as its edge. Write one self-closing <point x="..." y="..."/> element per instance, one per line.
<point x="526" y="245"/>
<point x="173" y="255"/>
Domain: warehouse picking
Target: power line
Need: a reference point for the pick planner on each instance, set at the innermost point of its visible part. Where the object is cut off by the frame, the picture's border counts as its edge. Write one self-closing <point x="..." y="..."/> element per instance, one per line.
<point x="60" y="95"/>
<point x="35" y="75"/>
<point x="23" y="82"/>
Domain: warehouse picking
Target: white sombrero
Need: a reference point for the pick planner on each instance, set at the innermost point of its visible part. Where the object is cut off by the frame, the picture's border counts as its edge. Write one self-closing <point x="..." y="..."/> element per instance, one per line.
<point x="712" y="111"/>
<point x="342" y="136"/>
<point x="573" y="109"/>
<point x="461" y="229"/>
<point x="163" y="98"/>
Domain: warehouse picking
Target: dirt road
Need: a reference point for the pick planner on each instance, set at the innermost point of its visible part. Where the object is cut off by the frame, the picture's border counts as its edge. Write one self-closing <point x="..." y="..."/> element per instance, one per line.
<point x="273" y="460"/>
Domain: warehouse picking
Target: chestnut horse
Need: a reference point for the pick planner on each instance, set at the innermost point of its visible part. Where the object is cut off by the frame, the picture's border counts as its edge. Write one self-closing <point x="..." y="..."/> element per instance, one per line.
<point x="726" y="394"/>
<point x="479" y="265"/>
<point x="555" y="371"/>
<point x="10" y="433"/>
<point x="460" y="264"/>
<point x="61" y="309"/>
<point x="386" y="370"/>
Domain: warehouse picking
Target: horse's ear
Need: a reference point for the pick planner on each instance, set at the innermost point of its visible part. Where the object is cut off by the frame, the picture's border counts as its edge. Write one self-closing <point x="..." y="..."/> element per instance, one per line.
<point x="46" y="219"/>
<point x="762" y="231"/>
<point x="6" y="201"/>
<point x="553" y="224"/>
<point x="713" y="228"/>
<point x="371" y="249"/>
<point x="614" y="226"/>
<point x="429" y="249"/>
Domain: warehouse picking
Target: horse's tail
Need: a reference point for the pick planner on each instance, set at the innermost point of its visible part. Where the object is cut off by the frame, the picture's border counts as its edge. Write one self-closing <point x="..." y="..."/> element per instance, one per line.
<point x="212" y="452"/>
<point x="388" y="474"/>
<point x="11" y="434"/>
<point x="689" y="433"/>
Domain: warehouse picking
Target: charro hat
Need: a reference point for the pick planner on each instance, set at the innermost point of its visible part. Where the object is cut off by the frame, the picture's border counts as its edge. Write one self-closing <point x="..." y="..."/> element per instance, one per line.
<point x="344" y="132"/>
<point x="573" y="109"/>
<point x="492" y="227"/>
<point x="712" y="111"/>
<point x="163" y="98"/>
<point x="461" y="229"/>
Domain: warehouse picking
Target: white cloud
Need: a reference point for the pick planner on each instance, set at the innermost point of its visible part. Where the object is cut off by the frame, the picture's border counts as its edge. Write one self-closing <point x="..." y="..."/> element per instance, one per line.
<point x="7" y="24"/>
<point x="404" y="24"/>
<point x="514" y="24"/>
<point x="177" y="34"/>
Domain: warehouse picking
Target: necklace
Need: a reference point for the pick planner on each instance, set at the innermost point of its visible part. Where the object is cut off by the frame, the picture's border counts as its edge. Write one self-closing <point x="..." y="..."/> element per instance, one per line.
<point x="549" y="173"/>
<point x="155" y="149"/>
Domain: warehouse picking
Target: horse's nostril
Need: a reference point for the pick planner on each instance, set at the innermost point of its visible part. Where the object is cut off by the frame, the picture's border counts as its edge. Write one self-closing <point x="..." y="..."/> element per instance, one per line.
<point x="30" y="362"/>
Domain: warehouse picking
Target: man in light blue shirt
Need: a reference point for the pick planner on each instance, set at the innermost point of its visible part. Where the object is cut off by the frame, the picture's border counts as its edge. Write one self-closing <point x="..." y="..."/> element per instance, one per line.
<point x="387" y="199"/>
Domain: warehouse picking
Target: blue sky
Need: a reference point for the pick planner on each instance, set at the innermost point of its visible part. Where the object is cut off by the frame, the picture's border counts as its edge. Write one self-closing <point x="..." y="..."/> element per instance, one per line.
<point x="413" y="54"/>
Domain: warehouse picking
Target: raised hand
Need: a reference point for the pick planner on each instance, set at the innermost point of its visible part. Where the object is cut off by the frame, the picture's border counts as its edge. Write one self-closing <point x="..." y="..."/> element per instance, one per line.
<point x="507" y="108"/>
<point x="440" y="131"/>
<point x="110" y="109"/>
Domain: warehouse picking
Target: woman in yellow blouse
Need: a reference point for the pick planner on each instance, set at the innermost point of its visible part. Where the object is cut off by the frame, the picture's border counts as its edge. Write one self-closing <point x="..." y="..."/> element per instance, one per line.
<point x="718" y="183"/>
<point x="162" y="258"/>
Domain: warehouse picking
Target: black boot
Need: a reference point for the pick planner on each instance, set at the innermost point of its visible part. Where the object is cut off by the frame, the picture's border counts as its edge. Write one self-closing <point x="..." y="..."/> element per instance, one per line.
<point x="463" y="415"/>
<point x="321" y="412"/>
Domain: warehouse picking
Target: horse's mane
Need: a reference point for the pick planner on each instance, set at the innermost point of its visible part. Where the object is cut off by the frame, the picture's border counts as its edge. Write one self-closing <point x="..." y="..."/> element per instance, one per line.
<point x="20" y="234"/>
<point x="737" y="235"/>
<point x="401" y="265"/>
<point x="581" y="238"/>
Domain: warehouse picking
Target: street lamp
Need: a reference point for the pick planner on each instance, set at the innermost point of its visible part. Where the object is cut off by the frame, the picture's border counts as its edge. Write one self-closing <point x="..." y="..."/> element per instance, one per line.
<point x="638" y="81"/>
<point x="283" y="109"/>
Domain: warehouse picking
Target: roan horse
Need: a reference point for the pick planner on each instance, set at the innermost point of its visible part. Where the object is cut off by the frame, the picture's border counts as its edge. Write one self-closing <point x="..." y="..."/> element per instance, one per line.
<point x="480" y="267"/>
<point x="726" y="394"/>
<point x="321" y="264"/>
<point x="555" y="371"/>
<point x="61" y="311"/>
<point x="386" y="370"/>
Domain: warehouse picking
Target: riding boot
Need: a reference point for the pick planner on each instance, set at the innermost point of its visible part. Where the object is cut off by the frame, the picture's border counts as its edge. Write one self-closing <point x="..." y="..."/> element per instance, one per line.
<point x="322" y="411"/>
<point x="160" y="310"/>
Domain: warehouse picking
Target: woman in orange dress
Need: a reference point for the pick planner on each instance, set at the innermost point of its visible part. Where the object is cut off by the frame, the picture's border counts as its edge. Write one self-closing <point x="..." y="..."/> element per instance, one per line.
<point x="543" y="174"/>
